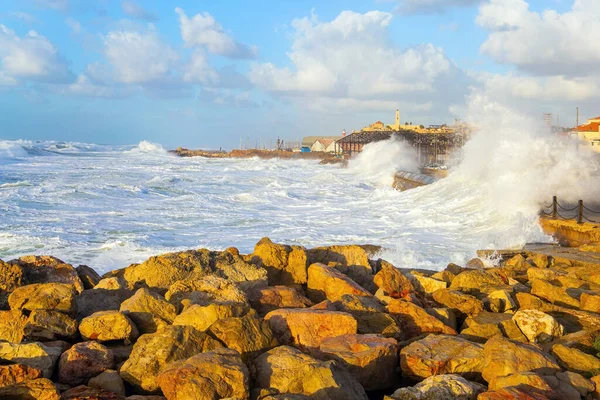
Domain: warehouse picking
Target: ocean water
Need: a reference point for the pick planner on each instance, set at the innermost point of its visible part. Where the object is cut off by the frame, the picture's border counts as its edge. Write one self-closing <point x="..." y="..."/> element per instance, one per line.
<point x="109" y="206"/>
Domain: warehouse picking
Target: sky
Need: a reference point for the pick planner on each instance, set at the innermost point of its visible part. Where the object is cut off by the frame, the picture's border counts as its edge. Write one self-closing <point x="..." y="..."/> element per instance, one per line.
<point x="211" y="74"/>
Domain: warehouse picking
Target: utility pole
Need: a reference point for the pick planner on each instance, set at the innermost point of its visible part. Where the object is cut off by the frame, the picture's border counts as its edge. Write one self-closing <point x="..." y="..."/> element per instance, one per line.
<point x="577" y="124"/>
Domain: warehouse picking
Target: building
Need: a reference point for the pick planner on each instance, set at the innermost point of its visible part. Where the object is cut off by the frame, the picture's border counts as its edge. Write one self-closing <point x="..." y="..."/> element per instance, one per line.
<point x="589" y="133"/>
<point x="309" y="141"/>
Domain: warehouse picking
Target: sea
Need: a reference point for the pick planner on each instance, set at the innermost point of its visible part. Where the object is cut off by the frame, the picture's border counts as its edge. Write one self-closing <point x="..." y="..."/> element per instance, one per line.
<point x="108" y="206"/>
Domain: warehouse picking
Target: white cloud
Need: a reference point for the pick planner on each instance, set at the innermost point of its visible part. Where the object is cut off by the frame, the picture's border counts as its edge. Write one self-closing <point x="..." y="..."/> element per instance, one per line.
<point x="134" y="10"/>
<point x="204" y="30"/>
<point x="138" y="57"/>
<point x="199" y="70"/>
<point x="351" y="61"/>
<point x="31" y="57"/>
<point x="547" y="43"/>
<point x="23" y="16"/>
<point x="408" y="7"/>
<point x="84" y="86"/>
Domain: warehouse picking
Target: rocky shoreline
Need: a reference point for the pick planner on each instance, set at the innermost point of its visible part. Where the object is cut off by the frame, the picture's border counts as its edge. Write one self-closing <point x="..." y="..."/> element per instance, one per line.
<point x="286" y="322"/>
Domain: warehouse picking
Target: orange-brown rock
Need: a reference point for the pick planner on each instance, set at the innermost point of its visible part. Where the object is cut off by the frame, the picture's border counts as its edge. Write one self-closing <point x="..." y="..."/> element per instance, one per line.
<point x="305" y="328"/>
<point x="351" y="260"/>
<point x="45" y="325"/>
<point x="36" y="355"/>
<point x="285" y="265"/>
<point x="48" y="269"/>
<point x="371" y="359"/>
<point x="272" y="298"/>
<point x="207" y="290"/>
<point x="36" y="389"/>
<point x="44" y="296"/>
<point x="392" y="281"/>
<point x="88" y="393"/>
<point x="12" y="326"/>
<point x="217" y="374"/>
<point x="16" y="373"/>
<point x="504" y="357"/>
<point x="148" y="310"/>
<point x="461" y="303"/>
<point x="84" y="361"/>
<point x="11" y="277"/>
<point x="442" y="354"/>
<point x="95" y="300"/>
<point x="547" y="385"/>
<point x="513" y="393"/>
<point x="590" y="302"/>
<point x="414" y="320"/>
<point x="325" y="283"/>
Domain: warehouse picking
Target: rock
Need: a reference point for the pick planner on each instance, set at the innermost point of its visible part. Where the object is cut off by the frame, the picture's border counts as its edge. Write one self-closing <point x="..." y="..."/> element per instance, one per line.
<point x="11" y="277"/>
<point x="392" y="281"/>
<point x="12" y="326"/>
<point x="446" y="315"/>
<point x="288" y="370"/>
<point x="120" y="351"/>
<point x="16" y="373"/>
<point x="486" y="325"/>
<point x="249" y="335"/>
<point x="96" y="300"/>
<point x="45" y="296"/>
<point x="582" y="385"/>
<point x="84" y="361"/>
<point x="554" y="294"/>
<point x="541" y="260"/>
<point x="88" y="393"/>
<point x="517" y="265"/>
<point x="43" y="325"/>
<point x="547" y="385"/>
<point x="461" y="303"/>
<point x="89" y="278"/>
<point x="513" y="393"/>
<point x="475" y="263"/>
<point x="351" y="260"/>
<point x="414" y="320"/>
<point x="502" y="357"/>
<point x="148" y="310"/>
<point x="445" y="276"/>
<point x="582" y="340"/>
<point x="234" y="269"/>
<point x="217" y="374"/>
<point x="576" y="360"/>
<point x="285" y="265"/>
<point x="370" y="359"/>
<point x="442" y="354"/>
<point x="477" y="280"/>
<point x="207" y="290"/>
<point x="537" y="326"/>
<point x="305" y="328"/>
<point x="265" y="300"/>
<point x="369" y="314"/>
<point x="325" y="283"/>
<point x="36" y="389"/>
<point x="324" y="305"/>
<point x="108" y="380"/>
<point x="34" y="355"/>
<point x="446" y="386"/>
<point x="590" y="302"/>
<point x="113" y="283"/>
<point x="153" y="351"/>
<point x="499" y="301"/>
<point x="428" y="285"/>
<point x="48" y="269"/>
<point x="596" y="381"/>
<point x="105" y="326"/>
<point x="202" y="317"/>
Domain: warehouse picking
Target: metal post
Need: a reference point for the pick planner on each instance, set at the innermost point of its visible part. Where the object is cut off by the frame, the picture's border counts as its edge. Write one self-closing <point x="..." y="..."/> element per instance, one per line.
<point x="580" y="213"/>
<point x="554" y="207"/>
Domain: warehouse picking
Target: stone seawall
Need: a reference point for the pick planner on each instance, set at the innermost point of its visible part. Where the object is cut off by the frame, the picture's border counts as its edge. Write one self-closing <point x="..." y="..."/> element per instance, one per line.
<point x="404" y="180"/>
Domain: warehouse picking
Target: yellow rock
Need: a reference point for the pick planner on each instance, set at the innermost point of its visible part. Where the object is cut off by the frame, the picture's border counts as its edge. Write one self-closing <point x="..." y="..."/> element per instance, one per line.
<point x="548" y="385"/>
<point x="272" y="298"/>
<point x="576" y="360"/>
<point x="590" y="302"/>
<point x="414" y="320"/>
<point x="44" y="296"/>
<point x="285" y="265"/>
<point x="325" y="283"/>
<point x="392" y="282"/>
<point x="206" y="290"/>
<point x="202" y="317"/>
<point x="12" y="326"/>
<point x="429" y="285"/>
<point x="462" y="303"/>
<point x="447" y="386"/>
<point x="36" y="355"/>
<point x="37" y="389"/>
<point x="107" y="326"/>
<point x="48" y="269"/>
<point x="554" y="294"/>
<point x="47" y="325"/>
<point x="537" y="326"/>
<point x="148" y="310"/>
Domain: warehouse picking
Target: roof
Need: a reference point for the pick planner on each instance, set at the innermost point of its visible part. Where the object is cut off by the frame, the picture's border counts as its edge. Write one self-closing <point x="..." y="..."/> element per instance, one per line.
<point x="591" y="127"/>
<point x="310" y="140"/>
<point x="326" y="142"/>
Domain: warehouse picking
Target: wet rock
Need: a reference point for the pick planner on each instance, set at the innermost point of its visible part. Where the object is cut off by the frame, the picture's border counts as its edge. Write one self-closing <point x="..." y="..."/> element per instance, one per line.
<point x="305" y="328"/>
<point x="248" y="335"/>
<point x="217" y="374"/>
<point x="392" y="281"/>
<point x="207" y="290"/>
<point x="504" y="357"/>
<point x="12" y="326"/>
<point x="105" y="326"/>
<point x="48" y="269"/>
<point x="369" y="314"/>
<point x="84" y="361"/>
<point x="89" y="278"/>
<point x="36" y="389"/>
<point x="44" y="296"/>
<point x="35" y="355"/>
<point x="537" y="326"/>
<point x="148" y="310"/>
<point x="153" y="351"/>
<point x="265" y="300"/>
<point x="16" y="373"/>
<point x="442" y="354"/>
<point x="288" y="370"/>
<point x="325" y="283"/>
<point x="370" y="359"/>
<point x="285" y="265"/>
<point x="414" y="320"/>
<point x="43" y="325"/>
<point x="576" y="360"/>
<point x="461" y="303"/>
<point x="202" y="317"/>
<point x="447" y="386"/>
<point x="554" y="294"/>
<point x="109" y="380"/>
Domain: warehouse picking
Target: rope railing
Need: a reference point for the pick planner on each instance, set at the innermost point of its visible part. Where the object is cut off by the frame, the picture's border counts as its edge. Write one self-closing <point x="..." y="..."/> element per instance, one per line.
<point x="553" y="211"/>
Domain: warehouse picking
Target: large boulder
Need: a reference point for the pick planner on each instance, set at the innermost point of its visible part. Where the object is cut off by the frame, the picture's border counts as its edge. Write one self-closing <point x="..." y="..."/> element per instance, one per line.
<point x="84" y="361"/>
<point x="202" y="317"/>
<point x="590" y="302"/>
<point x="36" y="355"/>
<point x="265" y="300"/>
<point x="576" y="360"/>
<point x="12" y="326"/>
<point x="351" y="260"/>
<point x="106" y="326"/>
<point x="306" y="328"/>
<point x="392" y="282"/>
<point x="234" y="269"/>
<point x="370" y="315"/>
<point x="447" y="386"/>
<point x="414" y="320"/>
<point x="16" y="373"/>
<point x="548" y="385"/>
<point x="44" y="325"/>
<point x="285" y="265"/>
<point x="203" y="291"/>
<point x="442" y="354"/>
<point x="371" y="359"/>
<point x="96" y="300"/>
<point x="325" y="283"/>
<point x="537" y="326"/>
<point x="288" y="370"/>
<point x="153" y="351"/>
<point x="36" y="389"/>
<point x="108" y="380"/>
<point x="249" y="335"/>
<point x="554" y="294"/>
<point x="89" y="277"/>
<point x="428" y="284"/>
<point x="148" y="310"/>
<point x="485" y="325"/>
<point x="461" y="303"/>
<point x="502" y="357"/>
<point x="44" y="296"/>
<point x="48" y="269"/>
<point x="217" y="374"/>
<point x="582" y="385"/>
<point x="477" y="280"/>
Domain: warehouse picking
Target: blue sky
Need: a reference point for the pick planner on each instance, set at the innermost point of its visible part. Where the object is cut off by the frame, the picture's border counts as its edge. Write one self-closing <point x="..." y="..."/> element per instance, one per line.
<point x="204" y="74"/>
